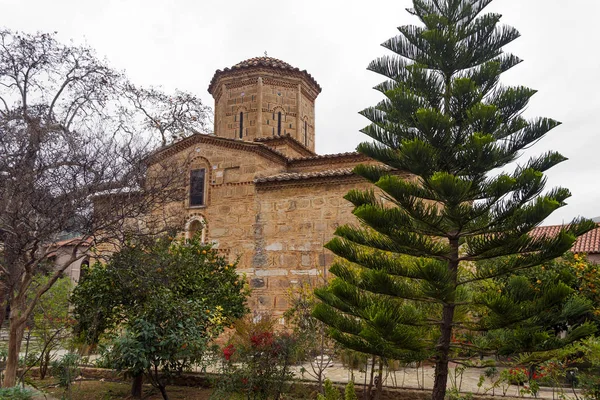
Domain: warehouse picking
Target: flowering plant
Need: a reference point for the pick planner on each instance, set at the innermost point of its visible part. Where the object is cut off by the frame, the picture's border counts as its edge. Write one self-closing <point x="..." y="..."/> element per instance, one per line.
<point x="256" y="362"/>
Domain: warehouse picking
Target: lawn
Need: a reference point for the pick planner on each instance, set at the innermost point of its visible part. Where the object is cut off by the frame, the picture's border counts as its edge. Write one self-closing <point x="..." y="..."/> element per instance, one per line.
<point x="98" y="390"/>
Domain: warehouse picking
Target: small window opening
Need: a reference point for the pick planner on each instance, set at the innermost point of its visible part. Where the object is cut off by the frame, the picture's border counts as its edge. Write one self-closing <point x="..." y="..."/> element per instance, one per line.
<point x="241" y="125"/>
<point x="279" y="123"/>
<point x="197" y="180"/>
<point x="197" y="227"/>
<point x="305" y="133"/>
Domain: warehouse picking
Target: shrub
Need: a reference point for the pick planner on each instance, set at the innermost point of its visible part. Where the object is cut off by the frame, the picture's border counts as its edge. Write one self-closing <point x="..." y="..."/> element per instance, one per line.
<point x="331" y="392"/>
<point x="350" y="393"/>
<point x="66" y="369"/>
<point x="256" y="363"/>
<point x="15" y="393"/>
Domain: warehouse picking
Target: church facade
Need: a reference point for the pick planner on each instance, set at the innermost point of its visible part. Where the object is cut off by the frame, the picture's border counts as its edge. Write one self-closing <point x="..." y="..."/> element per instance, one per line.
<point x="256" y="187"/>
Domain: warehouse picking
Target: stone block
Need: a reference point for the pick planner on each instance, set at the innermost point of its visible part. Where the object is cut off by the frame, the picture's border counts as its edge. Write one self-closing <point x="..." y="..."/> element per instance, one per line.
<point x="306" y="260"/>
<point x="265" y="302"/>
<point x="256" y="283"/>
<point x="281" y="303"/>
<point x="271" y="272"/>
<point x="276" y="246"/>
<point x="279" y="283"/>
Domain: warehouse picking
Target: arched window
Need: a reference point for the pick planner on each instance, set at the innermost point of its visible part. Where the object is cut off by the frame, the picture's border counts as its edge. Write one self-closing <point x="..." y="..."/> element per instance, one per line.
<point x="305" y="133"/>
<point x="197" y="183"/>
<point x="241" y="125"/>
<point x="279" y="123"/>
<point x="83" y="270"/>
<point x="195" y="226"/>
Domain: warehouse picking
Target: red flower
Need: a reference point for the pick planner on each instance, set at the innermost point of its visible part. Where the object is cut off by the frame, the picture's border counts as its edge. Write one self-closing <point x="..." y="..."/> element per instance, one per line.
<point x="262" y="339"/>
<point x="228" y="352"/>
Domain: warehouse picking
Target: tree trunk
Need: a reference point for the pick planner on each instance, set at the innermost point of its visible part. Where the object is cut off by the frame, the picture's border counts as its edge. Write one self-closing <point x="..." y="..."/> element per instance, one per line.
<point x="163" y="391"/>
<point x="3" y="304"/>
<point x="370" y="389"/>
<point x="443" y="348"/>
<point x="15" y="336"/>
<point x="136" y="386"/>
<point x="44" y="362"/>
<point x="379" y="385"/>
<point x="443" y="345"/>
<point x="365" y="383"/>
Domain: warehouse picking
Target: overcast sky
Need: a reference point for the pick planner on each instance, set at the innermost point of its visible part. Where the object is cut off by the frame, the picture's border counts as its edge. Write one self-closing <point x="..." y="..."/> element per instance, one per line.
<point x="180" y="44"/>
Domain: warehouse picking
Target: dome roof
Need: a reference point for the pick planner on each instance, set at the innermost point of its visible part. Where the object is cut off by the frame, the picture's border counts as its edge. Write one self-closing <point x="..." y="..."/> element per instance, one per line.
<point x="264" y="63"/>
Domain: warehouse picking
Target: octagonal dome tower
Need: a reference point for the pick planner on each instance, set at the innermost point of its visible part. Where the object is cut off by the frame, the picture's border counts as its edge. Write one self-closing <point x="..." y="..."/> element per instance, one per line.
<point x="265" y="97"/>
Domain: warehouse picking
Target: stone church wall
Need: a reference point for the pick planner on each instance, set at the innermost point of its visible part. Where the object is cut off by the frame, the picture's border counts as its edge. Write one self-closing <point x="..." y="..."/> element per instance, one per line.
<point x="293" y="222"/>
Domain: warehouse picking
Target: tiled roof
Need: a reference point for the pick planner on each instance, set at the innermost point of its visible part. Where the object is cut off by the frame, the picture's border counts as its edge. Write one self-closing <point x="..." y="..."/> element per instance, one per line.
<point x="288" y="139"/>
<point x="326" y="156"/>
<point x="587" y="243"/>
<point x="175" y="147"/>
<point x="294" y="176"/>
<point x="263" y="62"/>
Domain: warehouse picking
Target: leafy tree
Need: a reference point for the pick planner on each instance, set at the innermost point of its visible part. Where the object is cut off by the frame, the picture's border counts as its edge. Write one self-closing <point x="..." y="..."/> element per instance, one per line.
<point x="161" y="302"/>
<point x="69" y="132"/>
<point x="410" y="273"/>
<point x="51" y="320"/>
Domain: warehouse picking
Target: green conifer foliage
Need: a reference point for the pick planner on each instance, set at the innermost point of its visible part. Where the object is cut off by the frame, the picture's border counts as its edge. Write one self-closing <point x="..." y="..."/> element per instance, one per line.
<point x="442" y="225"/>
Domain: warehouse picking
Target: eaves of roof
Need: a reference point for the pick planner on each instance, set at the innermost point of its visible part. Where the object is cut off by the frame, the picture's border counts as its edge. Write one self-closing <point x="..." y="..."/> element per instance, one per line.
<point x="182" y="144"/>
<point x="588" y="243"/>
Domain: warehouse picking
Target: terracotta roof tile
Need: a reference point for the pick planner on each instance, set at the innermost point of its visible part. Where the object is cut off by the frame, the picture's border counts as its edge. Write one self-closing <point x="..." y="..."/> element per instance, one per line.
<point x="290" y="176"/>
<point x="288" y="139"/>
<point x="179" y="145"/>
<point x="326" y="156"/>
<point x="264" y="62"/>
<point x="586" y="243"/>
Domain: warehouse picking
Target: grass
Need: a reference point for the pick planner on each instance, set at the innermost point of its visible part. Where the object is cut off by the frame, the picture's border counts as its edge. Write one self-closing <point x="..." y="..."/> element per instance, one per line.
<point x="97" y="390"/>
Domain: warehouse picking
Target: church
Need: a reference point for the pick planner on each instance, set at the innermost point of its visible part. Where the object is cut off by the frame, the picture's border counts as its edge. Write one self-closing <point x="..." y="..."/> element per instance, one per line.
<point x="256" y="189"/>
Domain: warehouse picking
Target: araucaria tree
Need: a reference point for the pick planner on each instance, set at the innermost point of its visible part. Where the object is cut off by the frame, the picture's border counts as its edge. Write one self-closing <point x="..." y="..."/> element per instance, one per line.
<point x="408" y="277"/>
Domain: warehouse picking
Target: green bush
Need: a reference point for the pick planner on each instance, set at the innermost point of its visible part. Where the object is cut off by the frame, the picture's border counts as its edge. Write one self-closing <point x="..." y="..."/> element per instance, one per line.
<point x="66" y="369"/>
<point x="15" y="393"/>
<point x="331" y="392"/>
<point x="350" y="393"/>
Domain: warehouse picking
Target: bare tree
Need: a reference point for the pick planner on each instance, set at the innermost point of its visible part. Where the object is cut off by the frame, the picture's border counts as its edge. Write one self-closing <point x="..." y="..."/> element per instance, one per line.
<point x="71" y="160"/>
<point x="172" y="116"/>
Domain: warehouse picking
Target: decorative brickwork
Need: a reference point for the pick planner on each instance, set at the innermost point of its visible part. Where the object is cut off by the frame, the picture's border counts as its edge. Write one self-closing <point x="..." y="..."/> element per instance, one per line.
<point x="275" y="98"/>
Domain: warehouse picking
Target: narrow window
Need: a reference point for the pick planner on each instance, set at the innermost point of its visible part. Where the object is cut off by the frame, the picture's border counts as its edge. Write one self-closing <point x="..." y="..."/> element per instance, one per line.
<point x="305" y="133"/>
<point x="197" y="178"/>
<point x="279" y="123"/>
<point x="241" y="125"/>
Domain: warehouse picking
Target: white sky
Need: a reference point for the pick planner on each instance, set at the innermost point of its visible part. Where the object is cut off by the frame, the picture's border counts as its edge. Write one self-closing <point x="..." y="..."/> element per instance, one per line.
<point x="180" y="44"/>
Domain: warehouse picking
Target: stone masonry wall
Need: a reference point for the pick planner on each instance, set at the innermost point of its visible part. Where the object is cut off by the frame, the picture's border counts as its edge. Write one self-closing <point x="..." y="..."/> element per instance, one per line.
<point x="293" y="222"/>
<point x="276" y="230"/>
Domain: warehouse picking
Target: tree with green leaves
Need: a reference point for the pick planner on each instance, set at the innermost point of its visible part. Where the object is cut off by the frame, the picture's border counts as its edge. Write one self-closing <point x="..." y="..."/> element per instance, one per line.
<point x="50" y="323"/>
<point x="420" y="266"/>
<point x="159" y="303"/>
